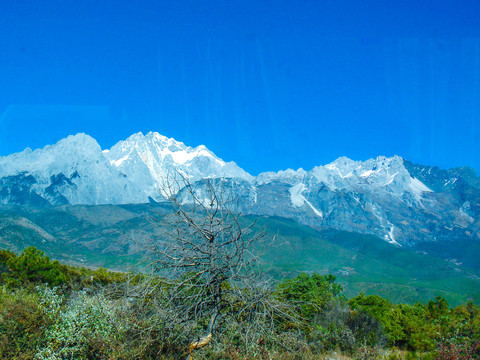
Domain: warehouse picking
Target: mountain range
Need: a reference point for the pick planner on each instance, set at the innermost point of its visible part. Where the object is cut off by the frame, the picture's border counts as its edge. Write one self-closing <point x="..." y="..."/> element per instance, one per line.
<point x="403" y="203"/>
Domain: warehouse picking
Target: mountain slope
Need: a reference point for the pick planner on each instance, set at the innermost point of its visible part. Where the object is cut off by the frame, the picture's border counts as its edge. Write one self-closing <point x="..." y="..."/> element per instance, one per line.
<point x="112" y="236"/>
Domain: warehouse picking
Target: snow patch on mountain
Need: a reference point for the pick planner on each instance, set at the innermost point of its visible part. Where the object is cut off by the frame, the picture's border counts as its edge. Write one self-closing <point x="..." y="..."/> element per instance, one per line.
<point x="417" y="187"/>
<point x="296" y="195"/>
<point x="390" y="237"/>
<point x="367" y="173"/>
<point x="464" y="209"/>
<point x="298" y="200"/>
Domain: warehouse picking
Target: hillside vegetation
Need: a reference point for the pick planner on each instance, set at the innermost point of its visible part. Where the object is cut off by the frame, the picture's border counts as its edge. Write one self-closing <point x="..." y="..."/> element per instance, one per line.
<point x="53" y="311"/>
<point x="111" y="237"/>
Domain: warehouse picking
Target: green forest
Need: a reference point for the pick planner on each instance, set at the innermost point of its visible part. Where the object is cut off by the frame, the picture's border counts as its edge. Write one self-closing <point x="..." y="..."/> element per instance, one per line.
<point x="53" y="311"/>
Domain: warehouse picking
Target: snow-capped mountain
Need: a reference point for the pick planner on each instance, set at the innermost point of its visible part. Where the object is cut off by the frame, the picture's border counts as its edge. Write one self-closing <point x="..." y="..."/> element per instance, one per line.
<point x="347" y="195"/>
<point x="73" y="171"/>
<point x="401" y="202"/>
<point x="379" y="177"/>
<point x="151" y="160"/>
<point x="76" y="171"/>
<point x="387" y="197"/>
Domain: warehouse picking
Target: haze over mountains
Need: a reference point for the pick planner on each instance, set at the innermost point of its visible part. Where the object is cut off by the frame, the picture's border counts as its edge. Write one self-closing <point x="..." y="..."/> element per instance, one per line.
<point x="403" y="203"/>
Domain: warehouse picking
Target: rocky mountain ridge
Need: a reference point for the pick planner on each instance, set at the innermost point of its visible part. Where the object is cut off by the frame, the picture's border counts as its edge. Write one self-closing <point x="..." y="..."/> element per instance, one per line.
<point x="401" y="202"/>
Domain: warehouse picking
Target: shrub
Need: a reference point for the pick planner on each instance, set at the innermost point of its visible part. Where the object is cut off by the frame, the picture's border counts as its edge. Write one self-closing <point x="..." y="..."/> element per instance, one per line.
<point x="366" y="329"/>
<point x="22" y="324"/>
<point x="458" y="351"/>
<point x="87" y="327"/>
<point x="406" y="326"/>
<point x="5" y="255"/>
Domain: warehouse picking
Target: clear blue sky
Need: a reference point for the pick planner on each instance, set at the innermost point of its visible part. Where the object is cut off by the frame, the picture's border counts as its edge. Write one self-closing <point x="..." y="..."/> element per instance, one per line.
<point x="269" y="84"/>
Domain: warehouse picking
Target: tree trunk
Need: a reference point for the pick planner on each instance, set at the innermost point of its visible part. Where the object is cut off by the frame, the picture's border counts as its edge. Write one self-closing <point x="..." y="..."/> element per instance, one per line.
<point x="202" y="341"/>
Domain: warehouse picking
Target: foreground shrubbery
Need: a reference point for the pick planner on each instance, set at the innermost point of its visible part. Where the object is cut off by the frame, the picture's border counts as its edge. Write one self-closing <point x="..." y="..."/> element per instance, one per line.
<point x="52" y="311"/>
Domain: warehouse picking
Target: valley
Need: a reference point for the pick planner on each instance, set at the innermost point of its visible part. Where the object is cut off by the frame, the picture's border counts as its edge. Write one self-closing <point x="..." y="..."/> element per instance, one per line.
<point x="115" y="237"/>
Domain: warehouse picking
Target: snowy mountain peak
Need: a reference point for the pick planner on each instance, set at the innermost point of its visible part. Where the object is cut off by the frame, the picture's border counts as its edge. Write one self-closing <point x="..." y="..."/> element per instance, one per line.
<point x="344" y="165"/>
<point x="79" y="139"/>
<point x="76" y="170"/>
<point x="383" y="176"/>
<point x="156" y="147"/>
<point x="341" y="162"/>
<point x="158" y="140"/>
<point x="149" y="160"/>
<point x="62" y="156"/>
<point x="81" y="144"/>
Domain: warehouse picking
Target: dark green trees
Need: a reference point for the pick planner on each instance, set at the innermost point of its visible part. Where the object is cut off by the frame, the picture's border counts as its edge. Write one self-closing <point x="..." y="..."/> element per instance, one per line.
<point x="309" y="293"/>
<point x="32" y="266"/>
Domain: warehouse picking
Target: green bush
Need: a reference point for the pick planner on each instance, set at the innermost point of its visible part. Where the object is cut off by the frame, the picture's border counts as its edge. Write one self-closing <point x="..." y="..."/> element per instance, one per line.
<point x="309" y="293"/>
<point x="33" y="267"/>
<point x="367" y="330"/>
<point x="5" y="255"/>
<point x="406" y="326"/>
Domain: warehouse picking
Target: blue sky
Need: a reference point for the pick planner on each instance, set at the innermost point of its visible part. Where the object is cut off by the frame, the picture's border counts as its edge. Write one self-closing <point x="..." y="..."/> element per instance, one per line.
<point x="268" y="84"/>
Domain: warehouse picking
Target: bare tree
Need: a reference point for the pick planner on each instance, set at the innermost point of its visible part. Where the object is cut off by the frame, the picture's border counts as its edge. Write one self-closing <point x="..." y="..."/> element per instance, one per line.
<point x="206" y="260"/>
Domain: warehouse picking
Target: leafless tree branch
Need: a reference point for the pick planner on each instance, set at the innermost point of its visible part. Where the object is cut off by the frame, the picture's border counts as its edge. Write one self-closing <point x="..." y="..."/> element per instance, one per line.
<point x="205" y="267"/>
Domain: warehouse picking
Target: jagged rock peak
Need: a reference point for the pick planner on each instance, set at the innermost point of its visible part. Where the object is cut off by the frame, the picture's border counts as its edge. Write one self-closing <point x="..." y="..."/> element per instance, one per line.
<point x="155" y="145"/>
<point x="288" y="176"/>
<point x="380" y="162"/>
<point x="155" y="138"/>
<point x="158" y="155"/>
<point x="77" y="139"/>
